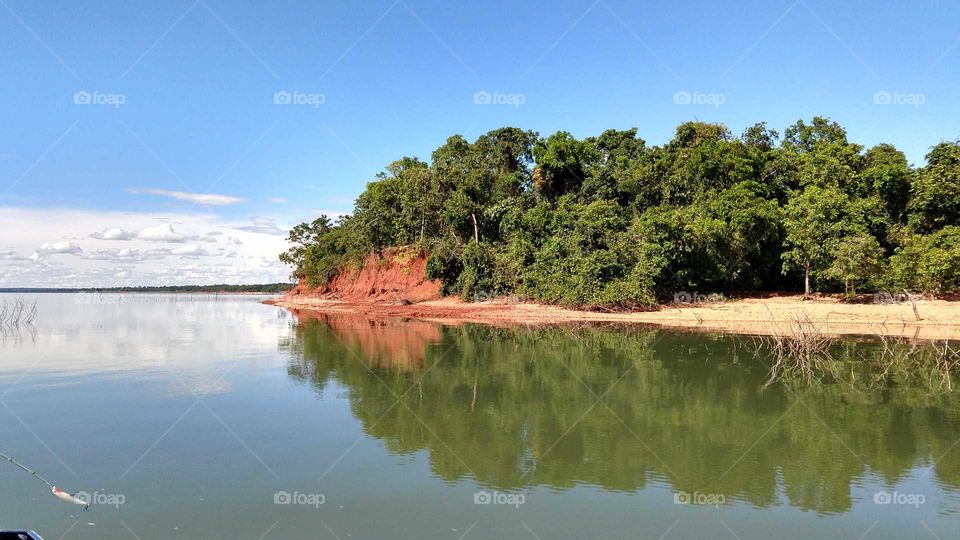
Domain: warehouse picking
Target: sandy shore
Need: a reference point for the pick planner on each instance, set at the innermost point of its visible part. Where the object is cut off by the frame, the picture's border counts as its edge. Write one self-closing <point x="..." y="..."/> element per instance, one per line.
<point x="939" y="319"/>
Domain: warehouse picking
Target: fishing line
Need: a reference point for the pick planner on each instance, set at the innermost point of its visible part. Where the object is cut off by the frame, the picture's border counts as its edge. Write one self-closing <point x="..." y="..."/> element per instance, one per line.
<point x="60" y="494"/>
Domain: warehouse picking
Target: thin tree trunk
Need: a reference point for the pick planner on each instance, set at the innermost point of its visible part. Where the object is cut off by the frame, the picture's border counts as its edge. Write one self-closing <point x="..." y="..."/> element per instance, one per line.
<point x="916" y="313"/>
<point x="806" y="280"/>
<point x="476" y="231"/>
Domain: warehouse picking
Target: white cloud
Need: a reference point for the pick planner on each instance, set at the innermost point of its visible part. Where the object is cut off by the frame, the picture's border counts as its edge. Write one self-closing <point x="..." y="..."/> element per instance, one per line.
<point x="56" y="248"/>
<point x="277" y="200"/>
<point x="263" y="225"/>
<point x="126" y="254"/>
<point x="113" y="233"/>
<point x="237" y="256"/>
<point x="113" y="254"/>
<point x="187" y="250"/>
<point x="208" y="199"/>
<point x="192" y="250"/>
<point x="157" y="233"/>
<point x="161" y="233"/>
<point x="11" y="255"/>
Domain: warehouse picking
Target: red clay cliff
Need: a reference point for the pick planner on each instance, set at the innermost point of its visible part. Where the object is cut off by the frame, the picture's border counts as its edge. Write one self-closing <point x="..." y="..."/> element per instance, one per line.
<point x="397" y="275"/>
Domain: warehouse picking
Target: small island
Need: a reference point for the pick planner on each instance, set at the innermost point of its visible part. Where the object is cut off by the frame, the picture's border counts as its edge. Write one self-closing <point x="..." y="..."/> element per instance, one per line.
<point x="710" y="230"/>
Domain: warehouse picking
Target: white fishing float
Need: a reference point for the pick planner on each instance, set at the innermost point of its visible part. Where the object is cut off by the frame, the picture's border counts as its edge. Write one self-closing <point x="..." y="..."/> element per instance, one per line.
<point x="64" y="496"/>
<point x="59" y="493"/>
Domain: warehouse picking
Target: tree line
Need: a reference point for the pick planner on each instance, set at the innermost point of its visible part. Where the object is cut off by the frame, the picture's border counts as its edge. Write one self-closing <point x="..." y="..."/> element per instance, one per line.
<point x="612" y="221"/>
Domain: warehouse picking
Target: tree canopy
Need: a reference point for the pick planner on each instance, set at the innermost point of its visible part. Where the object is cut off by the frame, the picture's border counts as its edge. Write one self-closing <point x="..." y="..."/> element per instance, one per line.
<point x="612" y="221"/>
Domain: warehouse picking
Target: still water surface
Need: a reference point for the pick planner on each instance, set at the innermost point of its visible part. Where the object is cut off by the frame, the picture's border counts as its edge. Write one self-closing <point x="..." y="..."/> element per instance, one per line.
<point x="220" y="417"/>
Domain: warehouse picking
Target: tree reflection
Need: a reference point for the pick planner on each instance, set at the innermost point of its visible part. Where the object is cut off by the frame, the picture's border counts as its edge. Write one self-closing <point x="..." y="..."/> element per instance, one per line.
<point x="622" y="407"/>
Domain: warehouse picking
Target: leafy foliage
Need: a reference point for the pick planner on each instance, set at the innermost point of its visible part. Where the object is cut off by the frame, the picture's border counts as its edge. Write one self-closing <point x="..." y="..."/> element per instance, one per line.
<point x="929" y="263"/>
<point x="609" y="221"/>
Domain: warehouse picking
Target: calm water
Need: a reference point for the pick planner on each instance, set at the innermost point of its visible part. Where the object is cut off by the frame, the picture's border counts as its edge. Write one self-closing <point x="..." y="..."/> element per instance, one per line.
<point x="200" y="414"/>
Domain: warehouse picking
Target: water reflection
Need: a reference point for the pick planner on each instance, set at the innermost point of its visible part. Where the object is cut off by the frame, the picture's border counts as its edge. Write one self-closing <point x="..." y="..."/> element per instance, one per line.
<point x="622" y="408"/>
<point x="83" y="334"/>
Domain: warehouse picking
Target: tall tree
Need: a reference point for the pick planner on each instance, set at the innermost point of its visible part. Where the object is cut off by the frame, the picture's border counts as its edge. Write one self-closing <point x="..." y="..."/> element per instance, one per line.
<point x="815" y="220"/>
<point x="935" y="201"/>
<point x="857" y="258"/>
<point x="562" y="162"/>
<point x="303" y="236"/>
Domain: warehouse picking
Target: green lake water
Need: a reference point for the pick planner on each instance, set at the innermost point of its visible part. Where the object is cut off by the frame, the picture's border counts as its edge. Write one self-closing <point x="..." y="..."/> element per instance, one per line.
<point x="219" y="417"/>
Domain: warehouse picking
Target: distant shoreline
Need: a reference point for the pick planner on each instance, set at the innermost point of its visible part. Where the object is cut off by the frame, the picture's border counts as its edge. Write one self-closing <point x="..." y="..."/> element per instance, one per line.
<point x="939" y="319"/>
<point x="267" y="288"/>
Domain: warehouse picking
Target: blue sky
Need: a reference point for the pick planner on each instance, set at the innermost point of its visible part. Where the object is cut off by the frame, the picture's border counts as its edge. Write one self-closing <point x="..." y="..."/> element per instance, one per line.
<point x="117" y="114"/>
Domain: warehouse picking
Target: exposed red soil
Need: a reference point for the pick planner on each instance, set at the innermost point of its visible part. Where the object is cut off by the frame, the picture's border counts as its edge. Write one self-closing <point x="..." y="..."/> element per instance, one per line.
<point x="396" y="275"/>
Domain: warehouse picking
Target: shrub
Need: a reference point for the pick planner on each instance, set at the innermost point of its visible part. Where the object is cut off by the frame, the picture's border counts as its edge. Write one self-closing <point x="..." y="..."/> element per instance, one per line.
<point x="445" y="263"/>
<point x="930" y="263"/>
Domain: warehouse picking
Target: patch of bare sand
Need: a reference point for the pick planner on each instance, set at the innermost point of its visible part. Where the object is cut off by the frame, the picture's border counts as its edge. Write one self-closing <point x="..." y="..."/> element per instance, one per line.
<point x="939" y="319"/>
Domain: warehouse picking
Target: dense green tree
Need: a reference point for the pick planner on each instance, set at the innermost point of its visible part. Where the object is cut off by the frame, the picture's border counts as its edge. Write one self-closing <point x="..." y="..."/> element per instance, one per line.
<point x="379" y="214"/>
<point x="803" y="137"/>
<point x="303" y="236"/>
<point x="611" y="221"/>
<point x="929" y="263"/>
<point x="620" y="170"/>
<point x="319" y="250"/>
<point x="508" y="150"/>
<point x="815" y="221"/>
<point x="701" y="160"/>
<point x="460" y="187"/>
<point x="857" y="258"/>
<point x="576" y="261"/>
<point x="562" y="162"/>
<point x="935" y="200"/>
<point x="747" y="236"/>
<point x="888" y="175"/>
<point x="760" y="137"/>
<point x="419" y="204"/>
